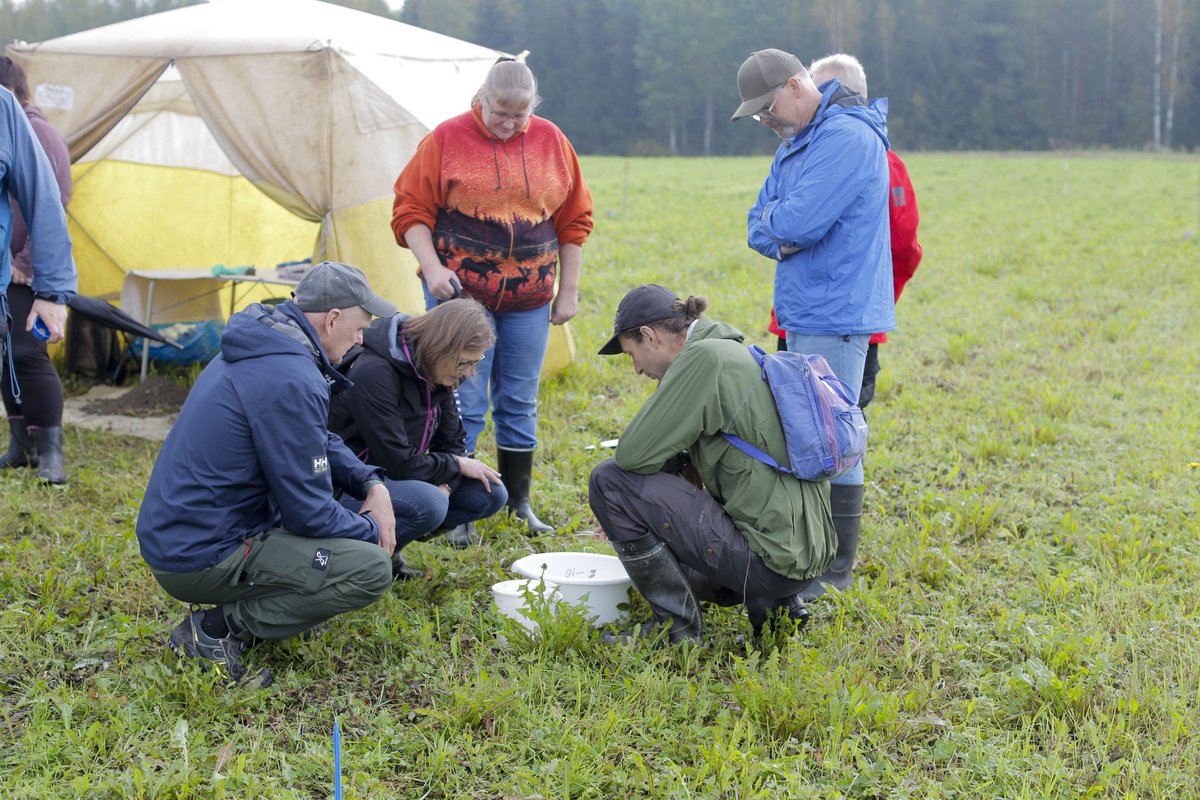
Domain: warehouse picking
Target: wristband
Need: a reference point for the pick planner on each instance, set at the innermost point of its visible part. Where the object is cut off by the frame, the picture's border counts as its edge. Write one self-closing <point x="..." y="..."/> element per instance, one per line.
<point x="369" y="484"/>
<point x="52" y="297"/>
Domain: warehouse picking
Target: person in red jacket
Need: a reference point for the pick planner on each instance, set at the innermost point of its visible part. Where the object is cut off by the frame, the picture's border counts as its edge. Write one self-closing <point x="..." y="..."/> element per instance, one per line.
<point x="903" y="214"/>
<point x="494" y="206"/>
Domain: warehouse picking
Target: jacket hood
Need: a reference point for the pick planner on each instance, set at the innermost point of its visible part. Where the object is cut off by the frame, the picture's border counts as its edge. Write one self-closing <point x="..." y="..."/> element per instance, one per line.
<point x="840" y="100"/>
<point x="287" y="331"/>
<point x="705" y="329"/>
<point x="383" y="339"/>
<point x="837" y="100"/>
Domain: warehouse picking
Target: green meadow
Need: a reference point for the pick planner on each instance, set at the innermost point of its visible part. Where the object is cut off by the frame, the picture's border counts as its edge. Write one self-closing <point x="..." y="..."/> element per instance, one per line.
<point x="1025" y="622"/>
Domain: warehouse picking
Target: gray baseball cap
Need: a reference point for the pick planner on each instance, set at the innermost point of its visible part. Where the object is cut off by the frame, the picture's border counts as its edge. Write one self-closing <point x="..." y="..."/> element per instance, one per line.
<point x="641" y="306"/>
<point x="760" y="74"/>
<point x="332" y="285"/>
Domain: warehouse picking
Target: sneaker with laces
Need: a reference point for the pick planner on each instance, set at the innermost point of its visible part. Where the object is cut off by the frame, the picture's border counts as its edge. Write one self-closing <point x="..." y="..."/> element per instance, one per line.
<point x="189" y="640"/>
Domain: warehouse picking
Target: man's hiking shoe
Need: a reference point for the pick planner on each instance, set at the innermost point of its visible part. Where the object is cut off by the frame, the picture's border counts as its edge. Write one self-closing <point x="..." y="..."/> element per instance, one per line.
<point x="189" y="640"/>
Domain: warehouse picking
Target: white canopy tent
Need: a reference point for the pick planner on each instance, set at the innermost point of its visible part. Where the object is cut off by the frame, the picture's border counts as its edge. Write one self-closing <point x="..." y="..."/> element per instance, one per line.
<point x="184" y="123"/>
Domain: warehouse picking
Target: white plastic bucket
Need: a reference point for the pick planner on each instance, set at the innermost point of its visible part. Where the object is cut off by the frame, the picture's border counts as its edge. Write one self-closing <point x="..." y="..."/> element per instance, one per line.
<point x="511" y="601"/>
<point x="597" y="582"/>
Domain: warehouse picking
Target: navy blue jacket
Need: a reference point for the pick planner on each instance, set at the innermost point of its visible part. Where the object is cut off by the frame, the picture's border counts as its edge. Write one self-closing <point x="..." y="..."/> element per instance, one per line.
<point x="251" y="449"/>
<point x="827" y="195"/>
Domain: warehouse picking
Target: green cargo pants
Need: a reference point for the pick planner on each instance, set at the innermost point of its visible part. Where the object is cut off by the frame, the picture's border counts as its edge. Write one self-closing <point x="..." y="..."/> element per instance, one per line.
<point x="277" y="585"/>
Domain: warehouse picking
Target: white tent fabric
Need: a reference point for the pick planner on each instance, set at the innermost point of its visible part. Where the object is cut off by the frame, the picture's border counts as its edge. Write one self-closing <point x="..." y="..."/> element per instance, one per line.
<point x="317" y="106"/>
<point x="162" y="130"/>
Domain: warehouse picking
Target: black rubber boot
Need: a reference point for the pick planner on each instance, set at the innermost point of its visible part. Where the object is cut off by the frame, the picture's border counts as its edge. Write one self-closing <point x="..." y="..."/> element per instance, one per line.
<point x="759" y="609"/>
<point x="21" y="450"/>
<point x="49" y="445"/>
<point x="516" y="469"/>
<point x="708" y="590"/>
<point x="462" y="537"/>
<point x="656" y="574"/>
<point x="846" y="504"/>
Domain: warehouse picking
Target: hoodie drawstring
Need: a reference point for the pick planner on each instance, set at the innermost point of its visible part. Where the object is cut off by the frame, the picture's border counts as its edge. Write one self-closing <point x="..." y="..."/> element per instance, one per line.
<point x="496" y="161"/>
<point x="524" y="167"/>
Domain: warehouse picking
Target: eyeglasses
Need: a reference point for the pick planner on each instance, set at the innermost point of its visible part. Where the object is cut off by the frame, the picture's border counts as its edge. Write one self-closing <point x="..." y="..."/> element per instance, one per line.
<point x="465" y="365"/>
<point x="504" y="116"/>
<point x="768" y="114"/>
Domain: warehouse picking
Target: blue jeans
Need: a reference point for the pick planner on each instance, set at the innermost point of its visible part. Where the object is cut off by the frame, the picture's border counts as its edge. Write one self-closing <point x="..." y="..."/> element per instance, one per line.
<point x="422" y="508"/>
<point x="512" y="370"/>
<point x="847" y="355"/>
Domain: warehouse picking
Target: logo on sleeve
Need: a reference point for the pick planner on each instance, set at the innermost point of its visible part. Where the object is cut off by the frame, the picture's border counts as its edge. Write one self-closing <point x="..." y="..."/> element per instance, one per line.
<point x="321" y="559"/>
<point x="320" y="465"/>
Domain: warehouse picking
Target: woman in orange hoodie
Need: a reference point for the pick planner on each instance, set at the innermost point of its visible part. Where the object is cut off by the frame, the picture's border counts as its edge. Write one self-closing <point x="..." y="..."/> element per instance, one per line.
<point x="494" y="206"/>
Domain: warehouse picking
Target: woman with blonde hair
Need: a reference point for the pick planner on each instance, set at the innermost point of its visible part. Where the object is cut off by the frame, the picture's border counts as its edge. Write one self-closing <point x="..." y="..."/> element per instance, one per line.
<point x="494" y="206"/>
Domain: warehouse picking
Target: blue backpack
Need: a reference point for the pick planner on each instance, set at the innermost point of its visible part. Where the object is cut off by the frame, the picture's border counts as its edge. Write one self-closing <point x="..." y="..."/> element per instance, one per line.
<point x="825" y="431"/>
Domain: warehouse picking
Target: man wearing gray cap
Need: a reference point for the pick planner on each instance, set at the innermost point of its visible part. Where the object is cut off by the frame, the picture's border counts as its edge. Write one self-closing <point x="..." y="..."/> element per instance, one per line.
<point x="691" y="517"/>
<point x="822" y="217"/>
<point x="240" y="512"/>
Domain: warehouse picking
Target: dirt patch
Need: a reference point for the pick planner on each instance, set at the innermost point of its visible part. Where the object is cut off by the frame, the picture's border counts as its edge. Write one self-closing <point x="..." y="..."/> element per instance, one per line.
<point x="155" y="397"/>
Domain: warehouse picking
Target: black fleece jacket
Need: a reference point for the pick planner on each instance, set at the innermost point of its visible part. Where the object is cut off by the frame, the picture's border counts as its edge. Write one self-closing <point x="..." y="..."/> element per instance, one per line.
<point x="393" y="417"/>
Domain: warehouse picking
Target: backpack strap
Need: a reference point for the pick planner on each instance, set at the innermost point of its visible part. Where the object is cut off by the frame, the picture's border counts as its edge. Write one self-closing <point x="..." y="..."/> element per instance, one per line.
<point x="740" y="443"/>
<point x="754" y="452"/>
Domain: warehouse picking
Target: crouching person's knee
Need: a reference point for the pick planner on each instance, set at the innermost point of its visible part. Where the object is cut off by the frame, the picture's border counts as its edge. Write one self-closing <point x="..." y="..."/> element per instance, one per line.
<point x="369" y="578"/>
<point x="601" y="481"/>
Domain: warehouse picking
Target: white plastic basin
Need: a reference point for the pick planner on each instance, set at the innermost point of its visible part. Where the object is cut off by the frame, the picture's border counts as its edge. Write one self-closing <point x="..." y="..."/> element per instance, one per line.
<point x="511" y="601"/>
<point x="597" y="582"/>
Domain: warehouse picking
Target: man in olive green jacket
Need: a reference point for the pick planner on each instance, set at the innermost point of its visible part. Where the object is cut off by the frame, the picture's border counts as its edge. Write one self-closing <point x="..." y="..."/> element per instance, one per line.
<point x="690" y="516"/>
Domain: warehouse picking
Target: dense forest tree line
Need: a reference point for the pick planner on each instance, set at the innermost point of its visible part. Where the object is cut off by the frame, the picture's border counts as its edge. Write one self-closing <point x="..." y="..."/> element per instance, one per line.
<point x="658" y="76"/>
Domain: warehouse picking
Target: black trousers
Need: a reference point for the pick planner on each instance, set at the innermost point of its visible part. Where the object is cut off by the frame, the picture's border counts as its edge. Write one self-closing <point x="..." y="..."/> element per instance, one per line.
<point x="692" y="524"/>
<point x="41" y="390"/>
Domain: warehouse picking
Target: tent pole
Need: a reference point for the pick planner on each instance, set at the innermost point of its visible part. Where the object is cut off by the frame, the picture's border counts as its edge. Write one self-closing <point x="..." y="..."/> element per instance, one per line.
<point x="145" y="341"/>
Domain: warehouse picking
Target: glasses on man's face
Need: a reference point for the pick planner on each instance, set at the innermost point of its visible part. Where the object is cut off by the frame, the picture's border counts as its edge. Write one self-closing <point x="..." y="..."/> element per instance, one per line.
<point x="505" y="116"/>
<point x="463" y="366"/>
<point x="768" y="113"/>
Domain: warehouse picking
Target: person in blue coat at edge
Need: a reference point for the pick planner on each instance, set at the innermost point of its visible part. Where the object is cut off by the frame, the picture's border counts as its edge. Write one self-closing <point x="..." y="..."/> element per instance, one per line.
<point x="27" y="178"/>
<point x="240" y="509"/>
<point x="822" y="216"/>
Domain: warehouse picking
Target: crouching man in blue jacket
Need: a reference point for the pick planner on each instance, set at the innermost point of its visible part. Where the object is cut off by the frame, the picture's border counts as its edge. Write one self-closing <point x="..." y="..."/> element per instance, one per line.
<point x="240" y="512"/>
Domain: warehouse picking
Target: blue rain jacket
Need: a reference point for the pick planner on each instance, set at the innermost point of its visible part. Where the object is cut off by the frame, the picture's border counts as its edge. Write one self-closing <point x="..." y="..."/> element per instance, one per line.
<point x="827" y="194"/>
<point x="251" y="449"/>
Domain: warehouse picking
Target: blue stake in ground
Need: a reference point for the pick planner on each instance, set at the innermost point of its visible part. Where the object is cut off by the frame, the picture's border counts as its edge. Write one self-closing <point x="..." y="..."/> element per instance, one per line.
<point x="337" y="761"/>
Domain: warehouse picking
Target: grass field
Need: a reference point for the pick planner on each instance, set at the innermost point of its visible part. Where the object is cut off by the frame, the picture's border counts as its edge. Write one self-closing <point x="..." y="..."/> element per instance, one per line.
<point x="1024" y="623"/>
